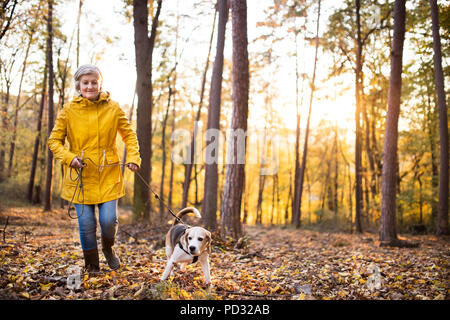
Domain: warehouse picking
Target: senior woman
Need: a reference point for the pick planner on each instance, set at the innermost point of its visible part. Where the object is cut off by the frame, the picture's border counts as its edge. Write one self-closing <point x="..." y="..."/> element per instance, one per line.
<point x="90" y="122"/>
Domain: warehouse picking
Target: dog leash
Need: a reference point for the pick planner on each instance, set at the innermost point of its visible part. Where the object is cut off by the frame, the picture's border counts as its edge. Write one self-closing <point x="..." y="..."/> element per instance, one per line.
<point x="80" y="186"/>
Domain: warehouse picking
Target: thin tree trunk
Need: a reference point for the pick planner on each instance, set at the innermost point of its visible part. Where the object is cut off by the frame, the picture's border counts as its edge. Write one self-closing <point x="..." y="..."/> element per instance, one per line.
<point x="245" y="204"/>
<point x="38" y="135"/>
<point x="442" y="218"/>
<point x="275" y="199"/>
<point x="398" y="190"/>
<point x="420" y="198"/>
<point x="289" y="199"/>
<point x="295" y="210"/>
<point x="388" y="232"/>
<point x="358" y="85"/>
<point x="350" y="202"/>
<point x="308" y="187"/>
<point x="16" y="110"/>
<point x="4" y="29"/>
<point x="369" y="151"/>
<point x="163" y="150"/>
<point x="235" y="173"/>
<point x="169" y="201"/>
<point x="297" y="220"/>
<point x="51" y="113"/>
<point x="130" y="119"/>
<point x="262" y="177"/>
<point x="5" y="120"/>
<point x="192" y="159"/>
<point x="431" y="134"/>
<point x="211" y="171"/>
<point x="262" y="180"/>
<point x="336" y="174"/>
<point x="80" y="5"/>
<point x="272" y="213"/>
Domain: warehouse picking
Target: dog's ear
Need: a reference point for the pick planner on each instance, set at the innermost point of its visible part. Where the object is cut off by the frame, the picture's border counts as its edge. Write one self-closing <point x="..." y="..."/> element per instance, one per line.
<point x="208" y="241"/>
<point x="184" y="238"/>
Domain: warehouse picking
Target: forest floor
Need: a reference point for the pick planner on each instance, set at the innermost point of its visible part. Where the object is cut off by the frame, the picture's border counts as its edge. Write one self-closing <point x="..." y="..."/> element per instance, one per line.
<point x="39" y="251"/>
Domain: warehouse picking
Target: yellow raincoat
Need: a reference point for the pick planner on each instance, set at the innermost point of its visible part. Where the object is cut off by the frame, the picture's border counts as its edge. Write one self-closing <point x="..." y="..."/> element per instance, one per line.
<point x="91" y="128"/>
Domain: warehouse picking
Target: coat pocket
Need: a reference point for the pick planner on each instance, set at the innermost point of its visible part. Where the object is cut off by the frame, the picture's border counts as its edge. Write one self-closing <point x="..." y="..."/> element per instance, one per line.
<point x="112" y="169"/>
<point x="112" y="158"/>
<point x="70" y="176"/>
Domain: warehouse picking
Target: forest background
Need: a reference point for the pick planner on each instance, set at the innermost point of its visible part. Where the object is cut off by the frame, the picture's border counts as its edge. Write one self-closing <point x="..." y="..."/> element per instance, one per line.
<point x="291" y="75"/>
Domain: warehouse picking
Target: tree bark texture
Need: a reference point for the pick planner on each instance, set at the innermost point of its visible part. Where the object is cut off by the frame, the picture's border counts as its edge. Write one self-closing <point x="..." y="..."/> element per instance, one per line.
<point x="358" y="131"/>
<point x="51" y="77"/>
<point x="442" y="216"/>
<point x="38" y="135"/>
<point x="296" y="216"/>
<point x="388" y="231"/>
<point x="209" y="210"/>
<point x="235" y="174"/>
<point x="143" y="51"/>
<point x="192" y="149"/>
<point x="16" y="110"/>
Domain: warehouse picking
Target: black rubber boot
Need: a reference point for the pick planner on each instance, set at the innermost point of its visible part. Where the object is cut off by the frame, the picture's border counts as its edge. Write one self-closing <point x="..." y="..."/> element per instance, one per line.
<point x="91" y="261"/>
<point x="110" y="255"/>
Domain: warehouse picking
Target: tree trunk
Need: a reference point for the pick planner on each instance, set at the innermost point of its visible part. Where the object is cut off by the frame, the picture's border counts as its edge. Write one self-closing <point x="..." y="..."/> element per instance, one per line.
<point x="80" y="5"/>
<point x="169" y="201"/>
<point x="144" y="51"/>
<point x="235" y="174"/>
<point x="211" y="171"/>
<point x="4" y="112"/>
<point x="358" y="131"/>
<point x="296" y="216"/>
<point x="295" y="210"/>
<point x="336" y="174"/>
<point x="388" y="232"/>
<point x="289" y="198"/>
<point x="420" y="198"/>
<point x="4" y="29"/>
<point x="51" y="77"/>
<point x="163" y="160"/>
<point x="38" y="136"/>
<point x="442" y="217"/>
<point x="431" y="135"/>
<point x="192" y="157"/>
<point x="130" y="118"/>
<point x="369" y="151"/>
<point x="262" y="156"/>
<point x="262" y="180"/>
<point x="16" y="110"/>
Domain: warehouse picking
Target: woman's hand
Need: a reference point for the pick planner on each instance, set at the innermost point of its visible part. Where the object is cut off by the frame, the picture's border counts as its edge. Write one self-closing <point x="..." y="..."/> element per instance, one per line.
<point x="133" y="167"/>
<point x="77" y="163"/>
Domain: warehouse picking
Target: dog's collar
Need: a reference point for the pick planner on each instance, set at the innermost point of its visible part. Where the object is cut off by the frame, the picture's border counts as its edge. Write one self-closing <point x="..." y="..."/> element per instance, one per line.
<point x="195" y="258"/>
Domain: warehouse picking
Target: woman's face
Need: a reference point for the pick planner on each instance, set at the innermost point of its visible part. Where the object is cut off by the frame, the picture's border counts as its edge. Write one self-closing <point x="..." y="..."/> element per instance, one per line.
<point x="89" y="86"/>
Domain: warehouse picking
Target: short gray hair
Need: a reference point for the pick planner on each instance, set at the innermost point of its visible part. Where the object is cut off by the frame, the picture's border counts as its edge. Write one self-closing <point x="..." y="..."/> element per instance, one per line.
<point x="86" y="69"/>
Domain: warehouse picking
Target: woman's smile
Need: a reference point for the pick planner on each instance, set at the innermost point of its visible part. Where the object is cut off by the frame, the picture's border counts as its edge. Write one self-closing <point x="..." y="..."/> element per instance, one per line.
<point x="89" y="86"/>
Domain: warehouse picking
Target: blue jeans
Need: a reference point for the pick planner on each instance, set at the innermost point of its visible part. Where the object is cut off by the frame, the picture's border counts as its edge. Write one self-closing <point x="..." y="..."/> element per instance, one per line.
<point x="87" y="223"/>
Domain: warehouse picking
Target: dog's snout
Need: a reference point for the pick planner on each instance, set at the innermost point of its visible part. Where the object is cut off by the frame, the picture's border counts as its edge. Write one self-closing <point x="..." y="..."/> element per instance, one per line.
<point x="192" y="248"/>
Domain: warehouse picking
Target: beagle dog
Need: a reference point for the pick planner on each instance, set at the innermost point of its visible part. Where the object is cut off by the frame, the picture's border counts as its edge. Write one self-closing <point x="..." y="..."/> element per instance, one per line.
<point x="185" y="244"/>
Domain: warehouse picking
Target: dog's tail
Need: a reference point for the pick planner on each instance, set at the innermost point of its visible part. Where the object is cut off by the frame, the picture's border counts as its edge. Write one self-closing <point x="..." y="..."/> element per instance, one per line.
<point x="185" y="211"/>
